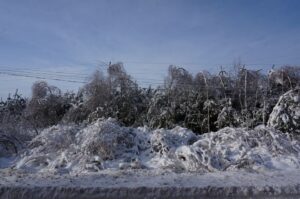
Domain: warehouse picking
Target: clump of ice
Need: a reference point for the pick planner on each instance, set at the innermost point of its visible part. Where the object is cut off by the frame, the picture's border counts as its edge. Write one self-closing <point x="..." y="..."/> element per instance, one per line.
<point x="104" y="144"/>
<point x="286" y="114"/>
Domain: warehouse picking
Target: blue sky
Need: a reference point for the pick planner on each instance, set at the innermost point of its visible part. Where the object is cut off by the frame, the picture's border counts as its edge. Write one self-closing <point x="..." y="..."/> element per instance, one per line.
<point x="75" y="36"/>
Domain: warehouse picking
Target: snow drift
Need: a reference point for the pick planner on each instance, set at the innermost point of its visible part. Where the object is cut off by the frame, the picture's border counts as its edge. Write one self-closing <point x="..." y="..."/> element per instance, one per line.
<point x="105" y="144"/>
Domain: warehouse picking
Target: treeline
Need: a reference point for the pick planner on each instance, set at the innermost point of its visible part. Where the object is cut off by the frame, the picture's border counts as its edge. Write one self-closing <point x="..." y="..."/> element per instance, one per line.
<point x="202" y="102"/>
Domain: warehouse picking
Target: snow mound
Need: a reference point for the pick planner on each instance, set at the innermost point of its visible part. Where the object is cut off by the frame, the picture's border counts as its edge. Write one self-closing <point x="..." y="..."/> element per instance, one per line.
<point x="232" y="149"/>
<point x="107" y="140"/>
<point x="286" y="114"/>
<point x="105" y="144"/>
<point x="163" y="141"/>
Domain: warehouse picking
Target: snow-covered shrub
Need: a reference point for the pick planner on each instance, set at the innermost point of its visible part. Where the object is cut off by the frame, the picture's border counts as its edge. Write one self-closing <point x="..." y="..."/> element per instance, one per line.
<point x="12" y="121"/>
<point x="106" y="139"/>
<point x="284" y="78"/>
<point x="78" y="113"/>
<point x="13" y="106"/>
<point x="96" y="92"/>
<point x="194" y="102"/>
<point x="159" y="113"/>
<point x="52" y="149"/>
<point x="105" y="144"/>
<point x="9" y="145"/>
<point x="231" y="149"/>
<point x="211" y="109"/>
<point x="54" y="138"/>
<point x="115" y="95"/>
<point x="163" y="141"/>
<point x="47" y="105"/>
<point x="81" y="147"/>
<point x="227" y="117"/>
<point x="286" y="114"/>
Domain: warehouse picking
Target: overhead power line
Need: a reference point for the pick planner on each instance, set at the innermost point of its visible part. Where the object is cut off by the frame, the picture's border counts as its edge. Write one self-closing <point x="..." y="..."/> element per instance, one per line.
<point x="72" y="77"/>
<point x="84" y="82"/>
<point x="61" y="75"/>
<point x="39" y="70"/>
<point x="44" y="78"/>
<point x="47" y="75"/>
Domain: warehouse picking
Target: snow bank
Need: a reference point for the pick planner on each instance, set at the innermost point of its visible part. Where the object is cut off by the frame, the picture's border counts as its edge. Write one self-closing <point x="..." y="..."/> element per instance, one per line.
<point x="105" y="144"/>
<point x="101" y="145"/>
<point x="233" y="149"/>
<point x="286" y="114"/>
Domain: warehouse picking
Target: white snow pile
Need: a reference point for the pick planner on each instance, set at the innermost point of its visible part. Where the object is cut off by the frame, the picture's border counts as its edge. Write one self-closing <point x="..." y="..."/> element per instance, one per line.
<point x="105" y="144"/>
<point x="232" y="149"/>
<point x="286" y="114"/>
<point x="101" y="145"/>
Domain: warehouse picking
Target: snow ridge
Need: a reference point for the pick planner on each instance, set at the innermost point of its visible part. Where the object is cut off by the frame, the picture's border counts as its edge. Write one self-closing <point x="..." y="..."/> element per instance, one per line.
<point x="105" y="145"/>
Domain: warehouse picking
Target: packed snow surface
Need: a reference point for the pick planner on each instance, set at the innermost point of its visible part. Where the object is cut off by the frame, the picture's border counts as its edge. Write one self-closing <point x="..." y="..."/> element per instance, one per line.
<point x="144" y="184"/>
<point x="105" y="145"/>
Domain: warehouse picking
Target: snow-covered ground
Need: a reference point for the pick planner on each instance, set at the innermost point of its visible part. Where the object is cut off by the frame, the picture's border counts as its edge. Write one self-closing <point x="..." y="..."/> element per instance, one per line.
<point x="151" y="184"/>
